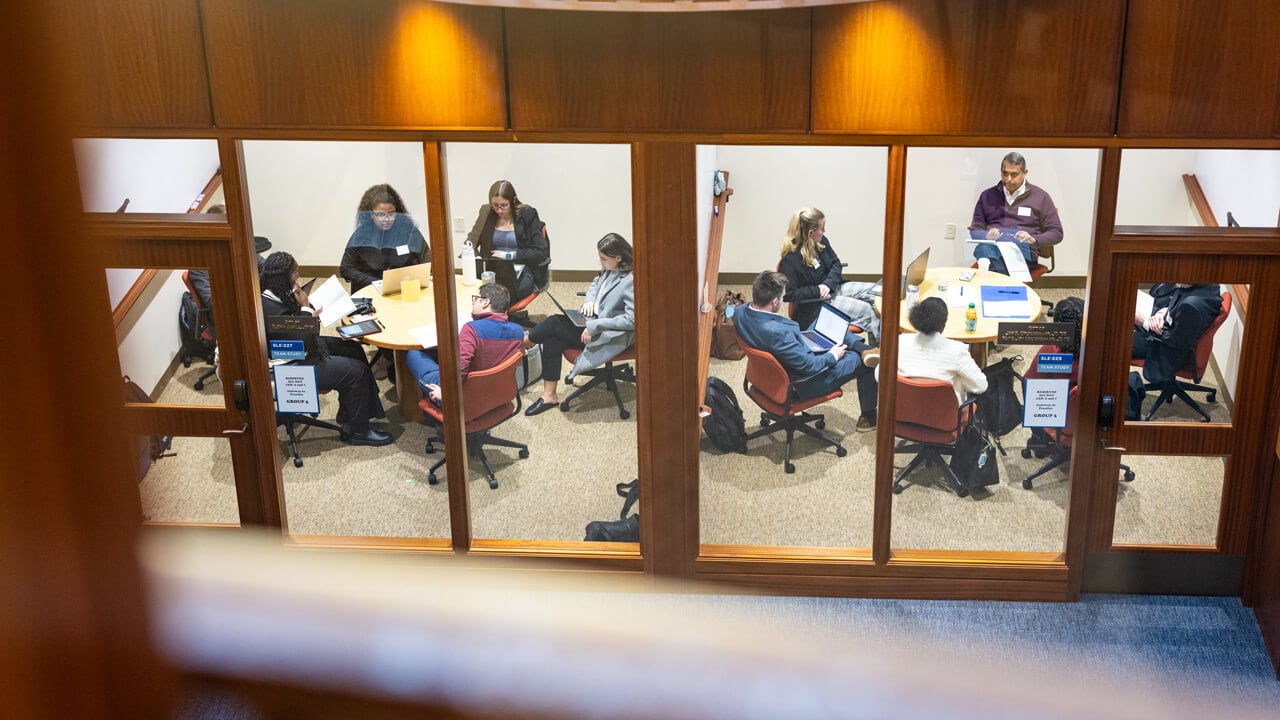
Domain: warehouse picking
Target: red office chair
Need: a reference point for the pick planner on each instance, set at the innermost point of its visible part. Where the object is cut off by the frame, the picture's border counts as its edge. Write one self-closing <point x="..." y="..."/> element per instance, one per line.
<point x="290" y="421"/>
<point x="1204" y="349"/>
<point x="930" y="419"/>
<point x="769" y="386"/>
<point x="204" y="333"/>
<point x="616" y="370"/>
<point x="1057" y="445"/>
<point x="489" y="398"/>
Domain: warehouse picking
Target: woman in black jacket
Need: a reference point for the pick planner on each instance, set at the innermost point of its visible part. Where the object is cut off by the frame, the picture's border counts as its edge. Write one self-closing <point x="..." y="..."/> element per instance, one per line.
<point x="813" y="273"/>
<point x="511" y="241"/>
<point x="385" y="238"/>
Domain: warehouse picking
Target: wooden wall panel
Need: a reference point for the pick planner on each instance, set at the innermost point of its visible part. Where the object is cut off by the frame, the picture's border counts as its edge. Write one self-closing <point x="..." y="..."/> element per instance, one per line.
<point x="336" y="63"/>
<point x="136" y="63"/>
<point x="1201" y="68"/>
<point x="1048" y="67"/>
<point x="730" y="72"/>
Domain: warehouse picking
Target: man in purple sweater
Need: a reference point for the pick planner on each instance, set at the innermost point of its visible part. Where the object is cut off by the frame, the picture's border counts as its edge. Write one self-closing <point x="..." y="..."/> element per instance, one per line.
<point x="1017" y="211"/>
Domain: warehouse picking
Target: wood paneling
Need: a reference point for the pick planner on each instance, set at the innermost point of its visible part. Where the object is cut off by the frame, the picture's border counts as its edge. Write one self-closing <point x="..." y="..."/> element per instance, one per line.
<point x="1201" y="68"/>
<point x="332" y="63"/>
<point x="1048" y="67"/>
<point x="731" y="72"/>
<point x="135" y="62"/>
<point x="1264" y="567"/>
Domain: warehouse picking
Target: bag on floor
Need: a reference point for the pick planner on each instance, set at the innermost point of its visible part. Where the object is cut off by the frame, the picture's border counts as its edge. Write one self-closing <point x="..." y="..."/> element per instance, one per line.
<point x="625" y="529"/>
<point x="530" y="368"/>
<point x="999" y="407"/>
<point x="1137" y="393"/>
<point x="725" y="425"/>
<point x="724" y="336"/>
<point x="151" y="447"/>
<point x="195" y="331"/>
<point x="974" y="459"/>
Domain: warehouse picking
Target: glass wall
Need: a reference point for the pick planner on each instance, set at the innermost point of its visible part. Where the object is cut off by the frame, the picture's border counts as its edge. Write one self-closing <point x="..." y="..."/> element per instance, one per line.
<point x="1170" y="500"/>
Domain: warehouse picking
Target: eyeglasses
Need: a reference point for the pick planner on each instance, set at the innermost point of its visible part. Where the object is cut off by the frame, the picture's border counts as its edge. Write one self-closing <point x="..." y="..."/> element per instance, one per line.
<point x="503" y="206"/>
<point x="384" y="215"/>
<point x="476" y="298"/>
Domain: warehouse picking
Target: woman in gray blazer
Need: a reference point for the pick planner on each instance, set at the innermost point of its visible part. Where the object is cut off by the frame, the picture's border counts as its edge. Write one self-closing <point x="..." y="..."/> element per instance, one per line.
<point x="610" y="309"/>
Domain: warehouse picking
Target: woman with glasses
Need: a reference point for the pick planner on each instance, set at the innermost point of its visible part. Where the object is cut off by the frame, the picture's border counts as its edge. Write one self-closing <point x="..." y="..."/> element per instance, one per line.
<point x="385" y="238"/>
<point x="610" y="312"/>
<point x="511" y="241"/>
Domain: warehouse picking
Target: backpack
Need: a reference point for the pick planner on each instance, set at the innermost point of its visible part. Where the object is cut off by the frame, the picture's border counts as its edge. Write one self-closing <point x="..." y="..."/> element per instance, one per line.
<point x="974" y="460"/>
<point x="625" y="529"/>
<point x="1137" y="393"/>
<point x="195" y="331"/>
<point x="147" y="448"/>
<point x="999" y="408"/>
<point x="724" y="336"/>
<point x="725" y="425"/>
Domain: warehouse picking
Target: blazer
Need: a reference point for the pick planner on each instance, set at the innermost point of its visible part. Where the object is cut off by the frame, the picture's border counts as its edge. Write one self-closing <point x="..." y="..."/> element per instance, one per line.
<point x="533" y="249"/>
<point x="780" y="337"/>
<point x="613" y="329"/>
<point x="803" y="281"/>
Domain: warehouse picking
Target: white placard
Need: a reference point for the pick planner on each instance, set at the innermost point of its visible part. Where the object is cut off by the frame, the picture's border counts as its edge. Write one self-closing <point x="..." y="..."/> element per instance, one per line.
<point x="1045" y="403"/>
<point x="296" y="390"/>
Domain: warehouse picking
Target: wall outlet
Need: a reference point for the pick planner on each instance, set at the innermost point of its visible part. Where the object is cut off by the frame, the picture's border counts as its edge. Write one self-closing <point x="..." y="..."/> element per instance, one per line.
<point x="460" y="225"/>
<point x="950" y="232"/>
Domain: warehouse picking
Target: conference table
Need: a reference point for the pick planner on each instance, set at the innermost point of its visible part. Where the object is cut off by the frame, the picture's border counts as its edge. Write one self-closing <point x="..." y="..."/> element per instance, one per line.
<point x="987" y="327"/>
<point x="398" y="318"/>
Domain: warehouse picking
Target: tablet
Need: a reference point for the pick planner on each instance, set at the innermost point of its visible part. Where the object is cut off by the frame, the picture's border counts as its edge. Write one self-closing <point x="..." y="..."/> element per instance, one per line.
<point x="360" y="329"/>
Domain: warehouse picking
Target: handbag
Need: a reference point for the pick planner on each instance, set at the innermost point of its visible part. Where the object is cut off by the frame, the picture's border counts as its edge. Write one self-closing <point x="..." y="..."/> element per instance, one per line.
<point x="974" y="459"/>
<point x="724" y="336"/>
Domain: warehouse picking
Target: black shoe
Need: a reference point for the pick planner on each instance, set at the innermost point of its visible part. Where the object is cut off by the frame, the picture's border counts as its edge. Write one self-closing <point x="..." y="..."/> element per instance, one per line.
<point x="539" y="406"/>
<point x="373" y="437"/>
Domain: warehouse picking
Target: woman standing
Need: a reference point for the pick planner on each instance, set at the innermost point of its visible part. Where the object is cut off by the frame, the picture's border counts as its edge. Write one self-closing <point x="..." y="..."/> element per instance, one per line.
<point x="511" y="240"/>
<point x="814" y="273"/>
<point x="385" y="238"/>
<point x="611" y="322"/>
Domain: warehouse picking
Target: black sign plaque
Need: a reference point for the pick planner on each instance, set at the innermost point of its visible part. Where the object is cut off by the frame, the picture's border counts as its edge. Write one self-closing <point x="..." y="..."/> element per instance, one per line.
<point x="1035" y="333"/>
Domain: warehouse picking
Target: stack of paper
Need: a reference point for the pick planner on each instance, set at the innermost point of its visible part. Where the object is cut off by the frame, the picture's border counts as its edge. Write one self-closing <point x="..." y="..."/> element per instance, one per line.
<point x="1005" y="301"/>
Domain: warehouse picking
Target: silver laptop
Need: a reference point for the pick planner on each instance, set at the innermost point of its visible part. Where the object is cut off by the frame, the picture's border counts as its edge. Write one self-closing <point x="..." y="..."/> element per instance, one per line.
<point x="913" y="276"/>
<point x="574" y="316"/>
<point x="390" y="283"/>
<point x="828" y="330"/>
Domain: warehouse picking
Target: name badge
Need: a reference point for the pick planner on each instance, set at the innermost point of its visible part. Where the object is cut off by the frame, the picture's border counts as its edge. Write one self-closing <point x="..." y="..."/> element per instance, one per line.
<point x="402" y="250"/>
<point x="1024" y="211"/>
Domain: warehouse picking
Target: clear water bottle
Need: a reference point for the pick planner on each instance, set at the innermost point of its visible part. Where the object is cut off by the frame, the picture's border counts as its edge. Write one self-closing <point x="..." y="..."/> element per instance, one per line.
<point x="913" y="295"/>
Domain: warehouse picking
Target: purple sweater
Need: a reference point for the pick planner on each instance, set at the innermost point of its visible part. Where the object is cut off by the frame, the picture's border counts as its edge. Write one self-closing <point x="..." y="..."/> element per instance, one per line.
<point x="1039" y="218"/>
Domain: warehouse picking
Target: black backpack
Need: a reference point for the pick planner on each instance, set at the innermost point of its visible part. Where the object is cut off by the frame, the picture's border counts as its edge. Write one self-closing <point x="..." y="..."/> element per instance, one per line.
<point x="195" y="331"/>
<point x="725" y="425"/>
<point x="625" y="529"/>
<point x="999" y="408"/>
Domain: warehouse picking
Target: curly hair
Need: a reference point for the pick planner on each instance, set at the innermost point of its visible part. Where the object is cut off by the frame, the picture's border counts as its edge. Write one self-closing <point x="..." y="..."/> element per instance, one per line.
<point x="929" y="316"/>
<point x="379" y="194"/>
<point x="277" y="276"/>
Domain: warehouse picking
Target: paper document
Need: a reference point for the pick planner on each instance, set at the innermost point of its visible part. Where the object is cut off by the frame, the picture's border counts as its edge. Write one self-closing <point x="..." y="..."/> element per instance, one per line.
<point x="333" y="301"/>
<point x="1146" y="303"/>
<point x="1011" y="253"/>
<point x="961" y="294"/>
<point x="427" y="336"/>
<point x="1004" y="301"/>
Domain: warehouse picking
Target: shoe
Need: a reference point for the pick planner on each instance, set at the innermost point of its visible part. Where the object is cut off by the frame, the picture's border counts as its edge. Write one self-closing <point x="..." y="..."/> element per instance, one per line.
<point x="871" y="357"/>
<point x="373" y="437"/>
<point x="539" y="406"/>
<point x="865" y="424"/>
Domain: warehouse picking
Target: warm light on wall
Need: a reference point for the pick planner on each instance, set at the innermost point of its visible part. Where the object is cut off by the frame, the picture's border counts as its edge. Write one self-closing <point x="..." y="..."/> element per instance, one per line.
<point x="431" y="47"/>
<point x="654" y="5"/>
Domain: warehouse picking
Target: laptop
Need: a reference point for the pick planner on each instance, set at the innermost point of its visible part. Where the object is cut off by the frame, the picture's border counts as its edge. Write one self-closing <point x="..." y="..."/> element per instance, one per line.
<point x="913" y="276"/>
<point x="574" y="316"/>
<point x="828" y="330"/>
<point x="390" y="283"/>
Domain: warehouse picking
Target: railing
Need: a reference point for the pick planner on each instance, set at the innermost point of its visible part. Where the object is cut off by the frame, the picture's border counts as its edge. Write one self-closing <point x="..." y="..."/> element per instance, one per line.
<point x="1208" y="219"/>
<point x="706" y="316"/>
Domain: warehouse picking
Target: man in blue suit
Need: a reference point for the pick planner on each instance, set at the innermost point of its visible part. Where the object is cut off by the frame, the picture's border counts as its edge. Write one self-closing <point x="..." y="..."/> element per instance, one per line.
<point x="762" y="327"/>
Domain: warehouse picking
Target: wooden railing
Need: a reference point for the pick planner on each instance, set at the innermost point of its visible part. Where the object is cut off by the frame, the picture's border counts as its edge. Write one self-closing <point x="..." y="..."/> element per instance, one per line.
<point x="1208" y="219"/>
<point x="707" y="301"/>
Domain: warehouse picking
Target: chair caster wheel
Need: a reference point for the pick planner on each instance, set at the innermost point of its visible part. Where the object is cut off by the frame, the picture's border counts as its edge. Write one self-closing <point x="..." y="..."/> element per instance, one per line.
<point x="493" y="484"/>
<point x="199" y="385"/>
<point x="789" y="468"/>
<point x="1026" y="453"/>
<point x="897" y="489"/>
<point x="624" y="414"/>
<point x="432" y="479"/>
<point x="430" y="449"/>
<point x="821" y="424"/>
<point x="764" y="420"/>
<point x="564" y="406"/>
<point x="962" y="492"/>
<point x="186" y="362"/>
<point x="523" y="454"/>
<point x="1026" y="484"/>
<point x="1211" y="397"/>
<point x="297" y="462"/>
<point x="841" y="452"/>
<point x="344" y="436"/>
<point x="1128" y="476"/>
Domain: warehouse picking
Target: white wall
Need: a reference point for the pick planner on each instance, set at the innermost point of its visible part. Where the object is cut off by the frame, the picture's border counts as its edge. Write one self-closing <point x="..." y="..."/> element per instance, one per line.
<point x="707" y="164"/>
<point x="156" y="176"/>
<point x="1152" y="191"/>
<point x="1244" y="182"/>
<point x="582" y="192"/>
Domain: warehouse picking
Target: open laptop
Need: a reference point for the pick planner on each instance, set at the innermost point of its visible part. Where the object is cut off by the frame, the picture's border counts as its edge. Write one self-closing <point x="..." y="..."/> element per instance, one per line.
<point x="390" y="283"/>
<point x="828" y="330"/>
<point x="574" y="316"/>
<point x="913" y="276"/>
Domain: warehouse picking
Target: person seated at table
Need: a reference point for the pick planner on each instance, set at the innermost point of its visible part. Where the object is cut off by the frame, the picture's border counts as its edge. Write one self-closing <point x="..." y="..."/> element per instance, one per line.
<point x="610" y="309"/>
<point x="1166" y="340"/>
<point x="813" y="273"/>
<point x="760" y="325"/>
<point x="1014" y="207"/>
<point x="511" y="241"/>
<point x="385" y="238"/>
<point x="340" y="364"/>
<point x="927" y="353"/>
<point x="199" y="277"/>
<point x="484" y="342"/>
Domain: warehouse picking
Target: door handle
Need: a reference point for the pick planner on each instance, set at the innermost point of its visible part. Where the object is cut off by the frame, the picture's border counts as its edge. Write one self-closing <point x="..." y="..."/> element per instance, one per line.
<point x="233" y="431"/>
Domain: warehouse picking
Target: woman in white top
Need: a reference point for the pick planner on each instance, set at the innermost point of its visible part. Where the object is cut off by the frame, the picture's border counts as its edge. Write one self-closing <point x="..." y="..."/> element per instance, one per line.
<point x="927" y="354"/>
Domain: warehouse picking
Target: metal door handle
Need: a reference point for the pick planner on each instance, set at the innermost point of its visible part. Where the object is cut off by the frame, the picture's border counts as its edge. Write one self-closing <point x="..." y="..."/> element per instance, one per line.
<point x="241" y="431"/>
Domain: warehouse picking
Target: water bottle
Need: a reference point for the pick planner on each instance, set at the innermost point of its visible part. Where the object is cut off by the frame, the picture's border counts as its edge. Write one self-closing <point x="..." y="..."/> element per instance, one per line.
<point x="971" y="319"/>
<point x="468" y="264"/>
<point x="913" y="295"/>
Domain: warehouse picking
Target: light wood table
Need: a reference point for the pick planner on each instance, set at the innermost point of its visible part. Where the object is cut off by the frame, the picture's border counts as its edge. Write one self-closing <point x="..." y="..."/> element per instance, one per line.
<point x="987" y="327"/>
<point x="398" y="317"/>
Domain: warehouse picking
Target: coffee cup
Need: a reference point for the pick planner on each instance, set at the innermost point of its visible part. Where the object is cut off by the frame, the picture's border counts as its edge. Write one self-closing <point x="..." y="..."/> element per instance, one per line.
<point x="984" y="264"/>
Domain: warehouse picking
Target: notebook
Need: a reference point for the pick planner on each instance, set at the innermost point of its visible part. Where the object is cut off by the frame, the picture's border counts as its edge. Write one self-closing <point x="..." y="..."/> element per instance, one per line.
<point x="574" y="316"/>
<point x="390" y="283"/>
<point x="828" y="330"/>
<point x="913" y="276"/>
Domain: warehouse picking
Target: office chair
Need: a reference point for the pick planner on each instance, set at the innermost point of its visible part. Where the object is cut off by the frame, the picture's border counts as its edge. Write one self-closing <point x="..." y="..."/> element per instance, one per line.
<point x="930" y="419"/>
<point x="1193" y="371"/>
<point x="204" y="321"/>
<point x="522" y="303"/>
<point x="769" y="386"/>
<point x="290" y="421"/>
<point x="616" y="370"/>
<point x="489" y="398"/>
<point x="1057" y="445"/>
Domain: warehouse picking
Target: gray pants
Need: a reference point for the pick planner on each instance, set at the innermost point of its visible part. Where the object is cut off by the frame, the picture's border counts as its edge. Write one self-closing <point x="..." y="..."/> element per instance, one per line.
<point x="855" y="300"/>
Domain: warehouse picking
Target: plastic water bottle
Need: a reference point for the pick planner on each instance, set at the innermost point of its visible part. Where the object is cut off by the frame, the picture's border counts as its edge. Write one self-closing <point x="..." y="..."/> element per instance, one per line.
<point x="971" y="319"/>
<point x="913" y="295"/>
<point x="468" y="264"/>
